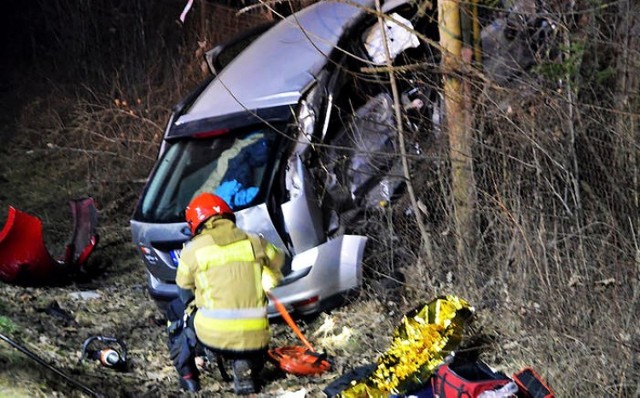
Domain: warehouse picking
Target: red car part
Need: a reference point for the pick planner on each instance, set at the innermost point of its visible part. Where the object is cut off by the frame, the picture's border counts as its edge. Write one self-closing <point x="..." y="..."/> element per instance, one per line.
<point x="24" y="258"/>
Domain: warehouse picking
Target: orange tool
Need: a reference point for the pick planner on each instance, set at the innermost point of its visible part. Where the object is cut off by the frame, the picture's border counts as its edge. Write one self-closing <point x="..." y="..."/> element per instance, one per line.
<point x="298" y="360"/>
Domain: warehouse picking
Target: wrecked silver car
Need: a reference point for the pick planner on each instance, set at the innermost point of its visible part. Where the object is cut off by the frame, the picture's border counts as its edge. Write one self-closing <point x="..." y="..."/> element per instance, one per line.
<point x="284" y="133"/>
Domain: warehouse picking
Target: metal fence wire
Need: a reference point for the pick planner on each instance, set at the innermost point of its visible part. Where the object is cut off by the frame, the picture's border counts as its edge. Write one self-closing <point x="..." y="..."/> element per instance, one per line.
<point x="558" y="144"/>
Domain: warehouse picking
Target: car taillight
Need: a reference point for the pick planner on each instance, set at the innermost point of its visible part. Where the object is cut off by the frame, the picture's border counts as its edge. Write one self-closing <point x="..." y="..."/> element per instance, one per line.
<point x="305" y="305"/>
<point x="148" y="254"/>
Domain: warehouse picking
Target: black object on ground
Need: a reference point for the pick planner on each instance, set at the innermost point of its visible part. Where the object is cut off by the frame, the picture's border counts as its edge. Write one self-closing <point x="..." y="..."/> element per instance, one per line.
<point x="52" y="368"/>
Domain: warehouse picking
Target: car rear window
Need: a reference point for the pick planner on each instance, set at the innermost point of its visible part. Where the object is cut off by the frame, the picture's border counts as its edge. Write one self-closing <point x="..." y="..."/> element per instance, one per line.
<point x="233" y="166"/>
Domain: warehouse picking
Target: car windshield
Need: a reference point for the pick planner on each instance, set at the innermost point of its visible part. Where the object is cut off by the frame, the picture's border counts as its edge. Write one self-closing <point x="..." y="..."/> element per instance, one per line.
<point x="231" y="165"/>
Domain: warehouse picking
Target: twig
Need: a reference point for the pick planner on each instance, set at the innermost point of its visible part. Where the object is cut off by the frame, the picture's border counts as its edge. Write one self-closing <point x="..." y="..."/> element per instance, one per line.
<point x="426" y="239"/>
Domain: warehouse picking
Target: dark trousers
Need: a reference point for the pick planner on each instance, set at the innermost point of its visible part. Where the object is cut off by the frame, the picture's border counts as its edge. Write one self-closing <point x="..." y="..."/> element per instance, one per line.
<point x="184" y="346"/>
<point x="182" y="341"/>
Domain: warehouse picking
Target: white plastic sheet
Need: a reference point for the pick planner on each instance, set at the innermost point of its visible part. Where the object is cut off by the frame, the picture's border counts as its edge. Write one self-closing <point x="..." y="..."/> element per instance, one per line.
<point x="399" y="34"/>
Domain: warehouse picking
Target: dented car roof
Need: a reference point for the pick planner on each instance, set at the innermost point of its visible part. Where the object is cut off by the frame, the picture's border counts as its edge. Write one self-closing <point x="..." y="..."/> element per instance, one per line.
<point x="273" y="72"/>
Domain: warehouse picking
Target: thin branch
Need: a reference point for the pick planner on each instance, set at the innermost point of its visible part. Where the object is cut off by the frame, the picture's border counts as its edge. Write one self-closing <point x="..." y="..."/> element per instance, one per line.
<point x="426" y="239"/>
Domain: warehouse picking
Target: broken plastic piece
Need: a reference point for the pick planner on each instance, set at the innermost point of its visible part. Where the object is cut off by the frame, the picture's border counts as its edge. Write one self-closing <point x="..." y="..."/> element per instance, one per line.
<point x="84" y="237"/>
<point x="21" y="247"/>
<point x="24" y="258"/>
<point x="185" y="11"/>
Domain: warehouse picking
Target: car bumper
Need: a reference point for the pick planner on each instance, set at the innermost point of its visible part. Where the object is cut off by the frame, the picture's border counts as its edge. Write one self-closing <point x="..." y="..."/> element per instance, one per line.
<point x="318" y="276"/>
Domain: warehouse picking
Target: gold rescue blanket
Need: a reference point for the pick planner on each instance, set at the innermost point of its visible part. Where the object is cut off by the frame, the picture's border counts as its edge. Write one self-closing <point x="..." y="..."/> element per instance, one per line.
<point x="422" y="341"/>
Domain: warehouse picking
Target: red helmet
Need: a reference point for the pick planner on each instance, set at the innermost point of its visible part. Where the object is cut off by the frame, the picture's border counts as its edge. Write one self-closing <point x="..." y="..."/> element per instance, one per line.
<point x="204" y="206"/>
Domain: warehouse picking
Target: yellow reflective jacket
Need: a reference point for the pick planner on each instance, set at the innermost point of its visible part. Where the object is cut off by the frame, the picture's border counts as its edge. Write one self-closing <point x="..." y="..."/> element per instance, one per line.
<point x="229" y="270"/>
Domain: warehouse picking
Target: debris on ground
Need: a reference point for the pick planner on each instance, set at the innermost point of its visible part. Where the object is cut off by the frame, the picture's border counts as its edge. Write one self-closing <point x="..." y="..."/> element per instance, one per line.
<point x="54" y="310"/>
<point x="37" y="359"/>
<point x="24" y="259"/>
<point x="85" y="295"/>
<point x="111" y="352"/>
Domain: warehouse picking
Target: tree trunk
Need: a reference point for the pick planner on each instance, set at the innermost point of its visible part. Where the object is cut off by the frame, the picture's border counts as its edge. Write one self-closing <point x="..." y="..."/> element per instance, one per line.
<point x="456" y="122"/>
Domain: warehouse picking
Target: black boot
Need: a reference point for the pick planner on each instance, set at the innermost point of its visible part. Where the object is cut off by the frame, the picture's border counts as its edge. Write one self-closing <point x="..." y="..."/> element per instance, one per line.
<point x="243" y="378"/>
<point x="190" y="384"/>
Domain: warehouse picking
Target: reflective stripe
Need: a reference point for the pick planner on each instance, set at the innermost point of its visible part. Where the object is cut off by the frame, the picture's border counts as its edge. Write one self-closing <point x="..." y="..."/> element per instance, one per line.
<point x="214" y="255"/>
<point x="201" y="277"/>
<point x="246" y="313"/>
<point x="235" y="325"/>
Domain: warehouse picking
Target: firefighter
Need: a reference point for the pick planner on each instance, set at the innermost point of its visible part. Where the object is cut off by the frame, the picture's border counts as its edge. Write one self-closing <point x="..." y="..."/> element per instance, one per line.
<point x="223" y="275"/>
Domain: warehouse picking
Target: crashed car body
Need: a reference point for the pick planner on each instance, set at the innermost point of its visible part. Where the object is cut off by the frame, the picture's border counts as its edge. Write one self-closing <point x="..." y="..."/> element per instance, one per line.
<point x="251" y="135"/>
